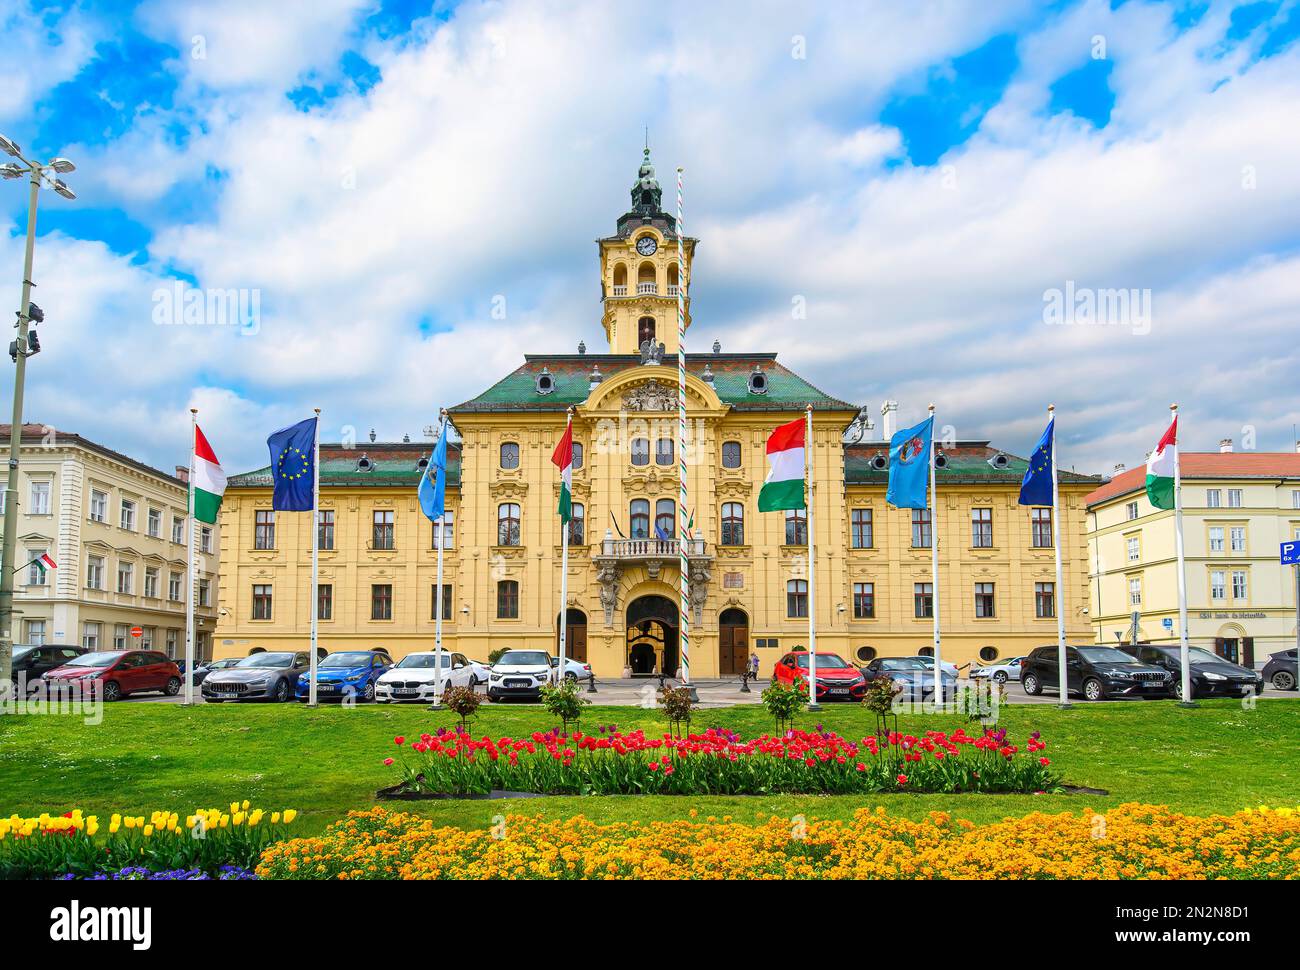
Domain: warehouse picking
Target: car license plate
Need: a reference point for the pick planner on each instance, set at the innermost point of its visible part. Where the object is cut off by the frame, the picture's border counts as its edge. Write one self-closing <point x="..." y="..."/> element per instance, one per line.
<point x="324" y="688"/>
<point x="405" y="692"/>
<point x="517" y="683"/>
<point x="226" y="695"/>
<point x="839" y="690"/>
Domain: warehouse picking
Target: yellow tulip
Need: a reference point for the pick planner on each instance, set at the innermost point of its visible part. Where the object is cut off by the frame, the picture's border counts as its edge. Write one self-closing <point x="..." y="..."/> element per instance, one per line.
<point x="245" y="805"/>
<point x="289" y="815"/>
<point x="148" y="831"/>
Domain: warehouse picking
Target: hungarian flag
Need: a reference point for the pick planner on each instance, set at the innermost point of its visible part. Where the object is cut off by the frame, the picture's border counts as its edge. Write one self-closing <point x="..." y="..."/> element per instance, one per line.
<point x="207" y="479"/>
<point x="563" y="457"/>
<point x="1160" y="469"/>
<point x="44" y="562"/>
<point x="783" y="487"/>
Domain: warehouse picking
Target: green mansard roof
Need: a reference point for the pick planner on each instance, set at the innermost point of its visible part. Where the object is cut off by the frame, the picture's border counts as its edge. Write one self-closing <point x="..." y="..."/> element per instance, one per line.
<point x="968" y="464"/>
<point x="391" y="464"/>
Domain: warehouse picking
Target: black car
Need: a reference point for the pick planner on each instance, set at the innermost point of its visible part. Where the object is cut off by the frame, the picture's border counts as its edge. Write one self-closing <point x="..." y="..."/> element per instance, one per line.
<point x="1280" y="670"/>
<point x="1096" y="672"/>
<point x="1212" y="676"/>
<point x="31" y="663"/>
<point x="204" y="670"/>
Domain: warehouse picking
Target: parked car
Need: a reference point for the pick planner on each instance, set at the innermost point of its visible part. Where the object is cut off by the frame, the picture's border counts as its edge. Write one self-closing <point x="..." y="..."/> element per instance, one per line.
<point x="266" y="676"/>
<point x="928" y="664"/>
<point x="118" y="673"/>
<point x="520" y="673"/>
<point x="31" y="663"/>
<point x="837" y="679"/>
<point x="346" y="674"/>
<point x="573" y="669"/>
<point x="913" y="677"/>
<point x="1280" y="671"/>
<point x="415" y="676"/>
<point x="1096" y="672"/>
<point x="999" y="673"/>
<point x="1212" y="675"/>
<point x="205" y="670"/>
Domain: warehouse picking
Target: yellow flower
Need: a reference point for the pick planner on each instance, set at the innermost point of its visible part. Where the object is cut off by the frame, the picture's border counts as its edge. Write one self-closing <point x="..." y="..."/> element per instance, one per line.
<point x="289" y="815"/>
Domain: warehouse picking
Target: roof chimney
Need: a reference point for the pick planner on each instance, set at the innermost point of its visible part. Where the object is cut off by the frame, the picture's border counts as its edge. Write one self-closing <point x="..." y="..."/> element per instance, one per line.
<point x="887" y="411"/>
<point x="1225" y="446"/>
<point x="183" y="473"/>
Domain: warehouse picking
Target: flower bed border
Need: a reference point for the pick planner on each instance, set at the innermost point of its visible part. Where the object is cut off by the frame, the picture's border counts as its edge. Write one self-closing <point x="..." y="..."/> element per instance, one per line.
<point x="396" y="793"/>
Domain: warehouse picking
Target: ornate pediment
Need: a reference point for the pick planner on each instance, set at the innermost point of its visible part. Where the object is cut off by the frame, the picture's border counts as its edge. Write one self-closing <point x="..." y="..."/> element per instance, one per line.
<point x="508" y="490"/>
<point x="650" y="396"/>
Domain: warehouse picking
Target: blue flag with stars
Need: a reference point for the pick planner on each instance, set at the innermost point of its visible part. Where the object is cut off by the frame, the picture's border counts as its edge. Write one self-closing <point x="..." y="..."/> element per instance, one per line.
<point x="1036" y="489"/>
<point x="293" y="457"/>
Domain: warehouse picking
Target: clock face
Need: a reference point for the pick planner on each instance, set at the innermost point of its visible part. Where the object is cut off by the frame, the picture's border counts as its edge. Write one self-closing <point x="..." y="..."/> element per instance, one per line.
<point x="646" y="245"/>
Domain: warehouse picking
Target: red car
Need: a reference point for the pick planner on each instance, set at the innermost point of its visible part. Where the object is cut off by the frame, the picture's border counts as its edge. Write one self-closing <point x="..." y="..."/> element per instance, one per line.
<point x="837" y="680"/>
<point x="117" y="673"/>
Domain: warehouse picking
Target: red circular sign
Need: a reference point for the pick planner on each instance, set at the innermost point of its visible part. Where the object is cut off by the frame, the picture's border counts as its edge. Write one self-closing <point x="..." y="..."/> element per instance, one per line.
<point x="137" y="632"/>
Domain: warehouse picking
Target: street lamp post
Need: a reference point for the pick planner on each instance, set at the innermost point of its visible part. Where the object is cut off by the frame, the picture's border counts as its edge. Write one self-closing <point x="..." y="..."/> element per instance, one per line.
<point x="23" y="347"/>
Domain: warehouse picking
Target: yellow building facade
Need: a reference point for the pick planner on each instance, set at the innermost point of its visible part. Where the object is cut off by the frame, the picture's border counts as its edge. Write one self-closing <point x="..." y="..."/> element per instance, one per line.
<point x="749" y="570"/>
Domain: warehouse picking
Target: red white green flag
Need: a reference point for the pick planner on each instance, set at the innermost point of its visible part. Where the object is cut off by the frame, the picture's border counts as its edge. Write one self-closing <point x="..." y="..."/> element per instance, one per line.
<point x="563" y="458"/>
<point x="44" y="562"/>
<point x="1160" y="469"/>
<point x="208" y="481"/>
<point x="783" y="487"/>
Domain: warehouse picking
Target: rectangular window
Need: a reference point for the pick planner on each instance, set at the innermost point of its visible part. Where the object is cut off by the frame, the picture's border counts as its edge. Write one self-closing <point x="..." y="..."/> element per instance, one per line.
<point x="1133" y="546"/>
<point x="981" y="528"/>
<point x="174" y="587"/>
<point x="1135" y="591"/>
<point x="325" y="529"/>
<point x="1213" y="498"/>
<point x="178" y="530"/>
<point x="121" y="632"/>
<point x="36" y="632"/>
<point x="39" y="493"/>
<point x="264" y="529"/>
<point x="125" y="577"/>
<point x="204" y="587"/>
<point x="1295" y="498"/>
<point x="1237" y="538"/>
<point x="173" y="641"/>
<point x="796" y="598"/>
<point x="1216" y="538"/>
<point x="507" y="600"/>
<point x="922" y="600"/>
<point x="1131" y="510"/>
<point x="383" y="529"/>
<point x="126" y="518"/>
<point x="1239" y="589"/>
<point x="921" y="529"/>
<point x="508" y="524"/>
<point x="861" y="527"/>
<point x="796" y="527"/>
<point x="984" y="600"/>
<point x="151" y="582"/>
<point x="95" y="572"/>
<point x="1234" y="498"/>
<point x="1218" y="585"/>
<point x="205" y="539"/>
<point x="98" y="506"/>
<point x="146" y="637"/>
<point x="664" y="451"/>
<point x="381" y="601"/>
<point x="448" y="530"/>
<point x="864" y="601"/>
<point x="90" y="636"/>
<point x="1045" y="600"/>
<point x="446" y="602"/>
<point x="733" y="524"/>
<point x="577" y="525"/>
<point x="1040" y="524"/>
<point x="325" y="601"/>
<point x="261" y="602"/>
<point x="154" y="523"/>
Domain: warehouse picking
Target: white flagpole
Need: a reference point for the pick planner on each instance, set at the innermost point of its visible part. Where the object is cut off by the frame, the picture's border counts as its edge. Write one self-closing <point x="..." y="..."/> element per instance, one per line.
<point x="189" y="599"/>
<point x="812" y="561"/>
<point x="683" y="560"/>
<point x="564" y="566"/>
<point x="934" y="570"/>
<point x="1058" y="595"/>
<point x="1185" y="659"/>
<point x="315" y="544"/>
<point x="441" y="535"/>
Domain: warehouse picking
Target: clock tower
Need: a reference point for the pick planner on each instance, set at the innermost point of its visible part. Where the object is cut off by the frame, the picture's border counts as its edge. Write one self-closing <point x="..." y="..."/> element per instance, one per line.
<point x="639" y="272"/>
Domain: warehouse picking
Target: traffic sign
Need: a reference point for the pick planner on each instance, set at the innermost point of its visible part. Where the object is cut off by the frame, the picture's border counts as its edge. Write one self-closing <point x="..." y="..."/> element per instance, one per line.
<point x="1168" y="622"/>
<point x="1291" y="553"/>
<point x="137" y="632"/>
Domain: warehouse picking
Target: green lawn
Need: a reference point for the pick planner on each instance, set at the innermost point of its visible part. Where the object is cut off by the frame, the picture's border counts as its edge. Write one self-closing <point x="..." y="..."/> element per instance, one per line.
<point x="145" y="756"/>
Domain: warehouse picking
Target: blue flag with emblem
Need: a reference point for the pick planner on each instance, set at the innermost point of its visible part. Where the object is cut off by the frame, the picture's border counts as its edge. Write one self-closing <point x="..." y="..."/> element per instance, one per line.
<point x="433" y="483"/>
<point x="293" y="466"/>
<point x="909" y="466"/>
<point x="1036" y="489"/>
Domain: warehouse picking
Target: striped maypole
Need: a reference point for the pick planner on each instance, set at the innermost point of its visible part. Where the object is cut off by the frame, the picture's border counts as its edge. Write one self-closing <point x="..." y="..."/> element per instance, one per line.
<point x="683" y="561"/>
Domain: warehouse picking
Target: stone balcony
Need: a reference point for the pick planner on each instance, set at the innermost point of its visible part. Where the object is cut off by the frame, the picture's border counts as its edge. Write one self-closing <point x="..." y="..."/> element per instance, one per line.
<point x="612" y="556"/>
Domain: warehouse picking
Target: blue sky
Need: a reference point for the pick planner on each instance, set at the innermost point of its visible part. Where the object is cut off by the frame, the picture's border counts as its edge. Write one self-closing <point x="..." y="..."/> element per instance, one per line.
<point x="384" y="174"/>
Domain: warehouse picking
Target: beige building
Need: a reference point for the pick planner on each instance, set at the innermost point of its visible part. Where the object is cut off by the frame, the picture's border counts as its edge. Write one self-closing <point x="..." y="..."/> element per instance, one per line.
<point x="1238" y="508"/>
<point x="748" y="570"/>
<point x="116" y="529"/>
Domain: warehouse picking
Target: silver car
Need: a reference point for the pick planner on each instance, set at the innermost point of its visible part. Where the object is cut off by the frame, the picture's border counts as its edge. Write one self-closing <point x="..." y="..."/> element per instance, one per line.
<point x="268" y="676"/>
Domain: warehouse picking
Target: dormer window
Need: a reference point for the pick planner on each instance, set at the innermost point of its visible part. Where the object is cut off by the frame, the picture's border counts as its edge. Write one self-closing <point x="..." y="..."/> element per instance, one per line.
<point x="545" y="382"/>
<point x="758" y="381"/>
<point x="364" y="464"/>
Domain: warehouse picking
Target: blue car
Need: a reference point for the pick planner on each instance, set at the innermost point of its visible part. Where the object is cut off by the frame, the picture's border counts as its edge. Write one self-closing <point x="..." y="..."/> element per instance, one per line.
<point x="346" y="674"/>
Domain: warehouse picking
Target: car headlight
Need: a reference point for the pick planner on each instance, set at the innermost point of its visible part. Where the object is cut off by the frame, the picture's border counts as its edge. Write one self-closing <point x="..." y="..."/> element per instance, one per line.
<point x="1121" y="675"/>
<point x="1211" y="676"/>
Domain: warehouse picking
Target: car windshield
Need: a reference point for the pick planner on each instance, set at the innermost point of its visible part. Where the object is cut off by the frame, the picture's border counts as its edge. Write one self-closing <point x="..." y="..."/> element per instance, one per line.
<point x="902" y="663"/>
<point x="825" y="661"/>
<point x="22" y="651"/>
<point x="101" y="659"/>
<point x="267" y="660"/>
<point x="347" y="659"/>
<point x="1105" y="655"/>
<point x="525" y="658"/>
<point x="423" y="661"/>
<point x="1199" y="655"/>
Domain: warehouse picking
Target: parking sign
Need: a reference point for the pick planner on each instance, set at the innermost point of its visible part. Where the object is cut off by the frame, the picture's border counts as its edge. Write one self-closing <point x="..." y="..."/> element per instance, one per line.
<point x="1291" y="553"/>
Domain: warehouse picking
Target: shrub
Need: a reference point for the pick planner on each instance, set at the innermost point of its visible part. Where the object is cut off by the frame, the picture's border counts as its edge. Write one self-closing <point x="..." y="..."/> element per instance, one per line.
<point x="462" y="701"/>
<point x="784" y="701"/>
<point x="564" y="700"/>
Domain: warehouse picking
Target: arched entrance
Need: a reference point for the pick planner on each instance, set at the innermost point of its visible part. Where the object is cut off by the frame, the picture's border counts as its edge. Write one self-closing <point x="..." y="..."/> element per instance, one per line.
<point x="575" y="635"/>
<point x="652" y="636"/>
<point x="733" y="642"/>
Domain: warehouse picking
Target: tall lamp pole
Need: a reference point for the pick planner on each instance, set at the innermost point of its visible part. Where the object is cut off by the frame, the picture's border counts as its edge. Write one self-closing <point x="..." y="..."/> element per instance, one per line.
<point x="24" y="346"/>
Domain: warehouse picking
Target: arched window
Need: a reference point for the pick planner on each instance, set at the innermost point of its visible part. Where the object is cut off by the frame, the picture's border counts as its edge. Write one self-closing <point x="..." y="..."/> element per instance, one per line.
<point x="646" y="279"/>
<point x="733" y="524"/>
<point x="665" y="518"/>
<point x="796" y="598"/>
<point x="620" y="280"/>
<point x="509" y="454"/>
<point x="925" y="652"/>
<point x="796" y="527"/>
<point x="507" y="524"/>
<point x="672" y="279"/>
<point x="640" y="451"/>
<point x="508" y="600"/>
<point x="731" y="454"/>
<point x="639" y="519"/>
<point x="645" y="330"/>
<point x="664" y="451"/>
<point x="577" y="525"/>
<point x="577" y="455"/>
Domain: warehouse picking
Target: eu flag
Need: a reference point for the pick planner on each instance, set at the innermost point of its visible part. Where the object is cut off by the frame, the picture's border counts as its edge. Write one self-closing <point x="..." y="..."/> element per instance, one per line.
<point x="909" y="466"/>
<point x="1036" y="489"/>
<point x="433" y="483"/>
<point x="293" y="457"/>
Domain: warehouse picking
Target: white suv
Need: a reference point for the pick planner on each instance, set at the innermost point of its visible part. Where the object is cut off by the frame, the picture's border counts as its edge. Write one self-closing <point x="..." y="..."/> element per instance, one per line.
<point x="519" y="673"/>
